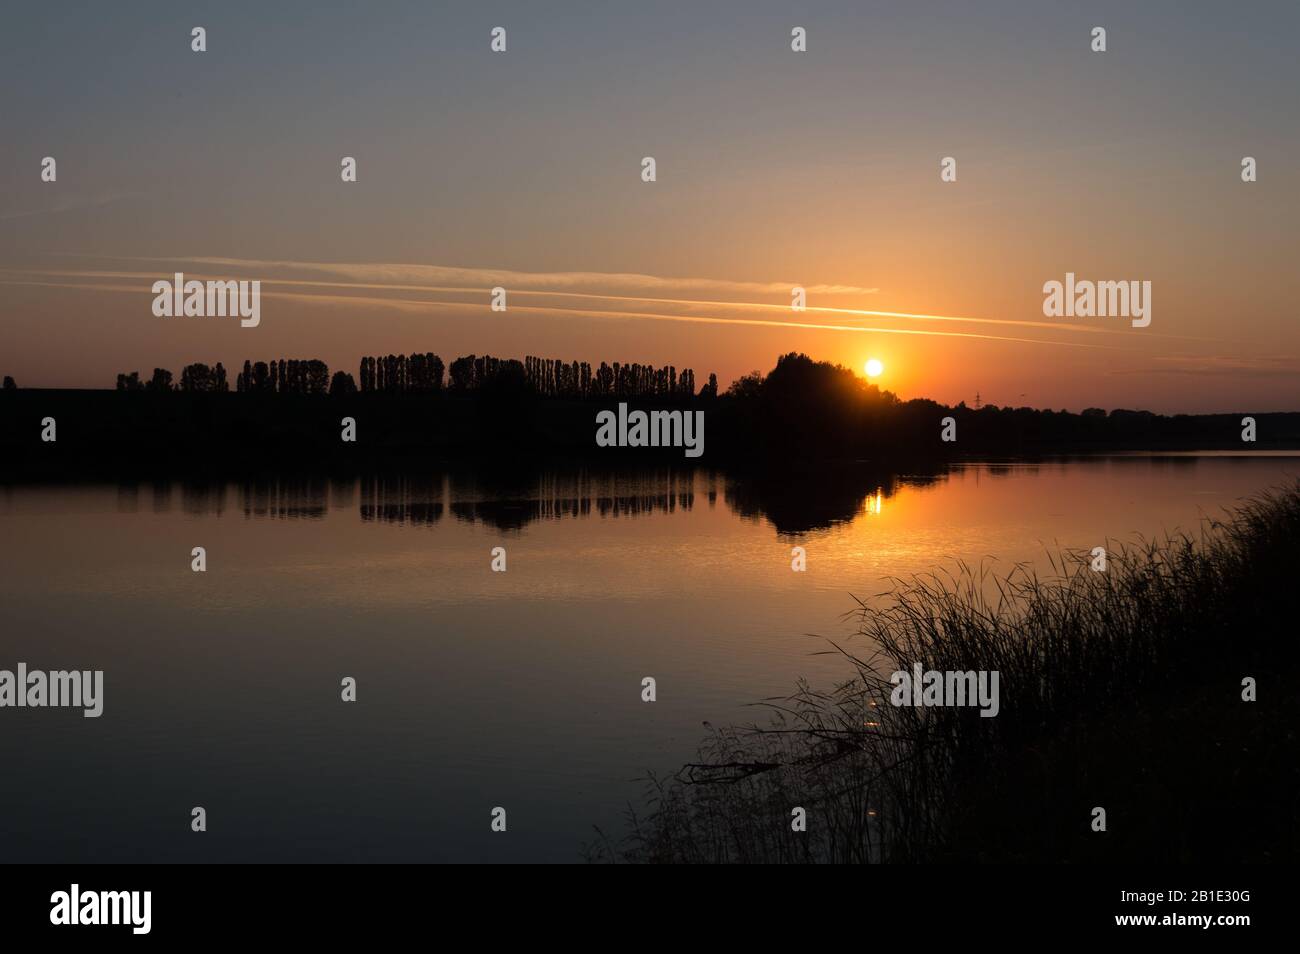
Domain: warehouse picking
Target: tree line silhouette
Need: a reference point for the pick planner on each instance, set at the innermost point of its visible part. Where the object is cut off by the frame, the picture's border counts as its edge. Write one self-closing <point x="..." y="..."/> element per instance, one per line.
<point x="194" y="377"/>
<point x="548" y="377"/>
<point x="798" y="414"/>
<point x="426" y="373"/>
<point x="291" y="376"/>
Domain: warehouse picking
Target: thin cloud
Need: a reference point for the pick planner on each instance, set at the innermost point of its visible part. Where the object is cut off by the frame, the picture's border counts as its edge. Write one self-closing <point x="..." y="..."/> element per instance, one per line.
<point x="389" y="274"/>
<point x="70" y="204"/>
<point x="693" y="303"/>
<point x="419" y="304"/>
<point x="416" y="304"/>
<point x="1218" y="366"/>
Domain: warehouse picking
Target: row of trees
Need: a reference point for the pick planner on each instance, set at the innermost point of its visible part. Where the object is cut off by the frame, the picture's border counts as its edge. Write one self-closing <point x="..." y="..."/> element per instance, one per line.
<point x="548" y="377"/>
<point x="426" y="373"/>
<point x="291" y="376"/>
<point x="194" y="377"/>
<point x="282" y="377"/>
<point x="401" y="372"/>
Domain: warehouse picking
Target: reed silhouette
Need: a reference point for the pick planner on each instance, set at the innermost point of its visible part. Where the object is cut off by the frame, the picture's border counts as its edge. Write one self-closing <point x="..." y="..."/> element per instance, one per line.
<point x="1120" y="689"/>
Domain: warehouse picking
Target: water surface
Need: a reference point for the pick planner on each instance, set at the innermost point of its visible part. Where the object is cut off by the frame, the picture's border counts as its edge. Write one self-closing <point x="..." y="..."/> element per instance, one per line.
<point x="475" y="689"/>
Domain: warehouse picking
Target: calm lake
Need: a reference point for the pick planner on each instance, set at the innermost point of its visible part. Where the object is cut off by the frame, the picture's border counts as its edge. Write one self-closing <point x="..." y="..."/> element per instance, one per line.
<point x="475" y="689"/>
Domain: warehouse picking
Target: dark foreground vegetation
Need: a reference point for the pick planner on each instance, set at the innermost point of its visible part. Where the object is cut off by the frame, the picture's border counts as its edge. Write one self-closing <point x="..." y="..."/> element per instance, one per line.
<point x="1120" y="689"/>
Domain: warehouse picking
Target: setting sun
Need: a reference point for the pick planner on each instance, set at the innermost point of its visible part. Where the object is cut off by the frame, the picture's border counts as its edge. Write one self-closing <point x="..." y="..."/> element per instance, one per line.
<point x="874" y="368"/>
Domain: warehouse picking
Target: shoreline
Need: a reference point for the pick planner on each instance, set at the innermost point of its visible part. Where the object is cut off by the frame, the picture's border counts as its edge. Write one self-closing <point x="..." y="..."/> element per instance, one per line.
<point x="1139" y="691"/>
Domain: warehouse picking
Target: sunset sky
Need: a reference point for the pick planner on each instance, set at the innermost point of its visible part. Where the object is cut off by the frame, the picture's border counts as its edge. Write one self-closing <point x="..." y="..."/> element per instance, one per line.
<point x="775" y="169"/>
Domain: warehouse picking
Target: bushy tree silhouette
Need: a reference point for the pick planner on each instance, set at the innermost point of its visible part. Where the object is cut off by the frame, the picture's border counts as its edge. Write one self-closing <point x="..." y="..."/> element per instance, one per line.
<point x="161" y="381"/>
<point x="341" y="384"/>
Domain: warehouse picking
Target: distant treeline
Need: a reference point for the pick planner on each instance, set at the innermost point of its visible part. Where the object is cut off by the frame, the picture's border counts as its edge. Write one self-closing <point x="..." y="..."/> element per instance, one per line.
<point x="412" y="406"/>
<point x="813" y="409"/>
<point x="426" y="373"/>
<point x="547" y="377"/>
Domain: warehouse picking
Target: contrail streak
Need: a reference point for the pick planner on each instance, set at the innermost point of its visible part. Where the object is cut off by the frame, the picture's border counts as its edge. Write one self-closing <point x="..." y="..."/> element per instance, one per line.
<point x="411" y="303"/>
<point x="689" y="302"/>
<point x="415" y="304"/>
